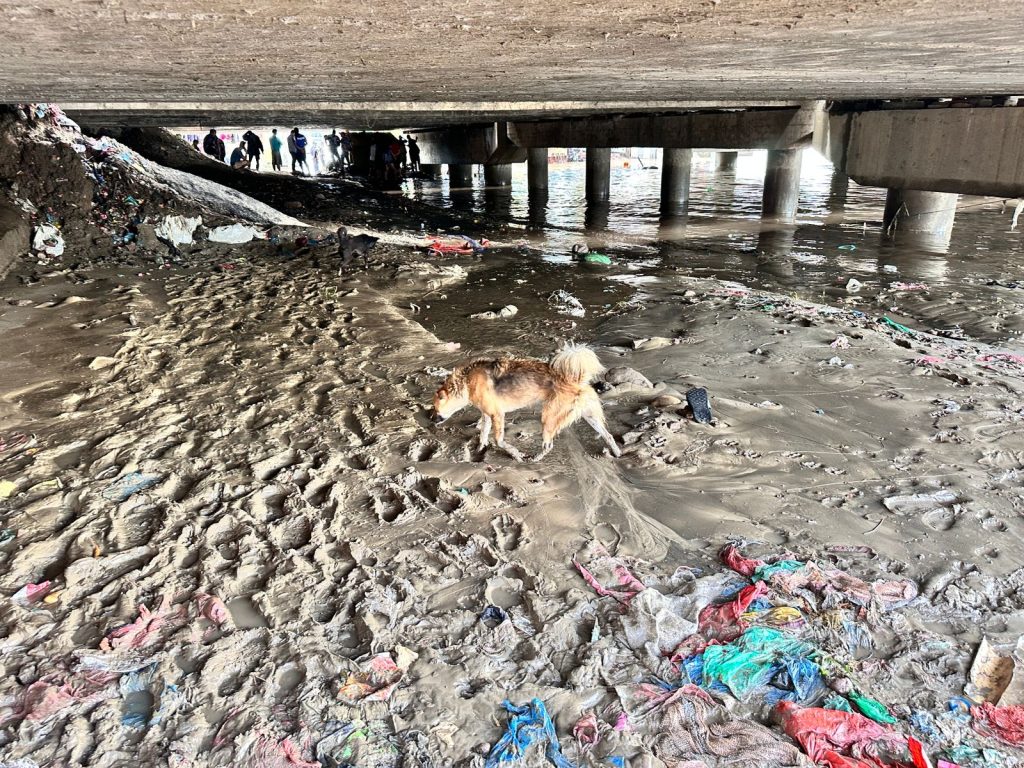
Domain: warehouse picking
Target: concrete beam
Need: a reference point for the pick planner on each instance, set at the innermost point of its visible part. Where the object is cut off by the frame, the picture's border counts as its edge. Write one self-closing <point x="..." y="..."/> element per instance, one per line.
<point x="368" y="115"/>
<point x="754" y="129"/>
<point x="977" y="151"/>
<point x="472" y="144"/>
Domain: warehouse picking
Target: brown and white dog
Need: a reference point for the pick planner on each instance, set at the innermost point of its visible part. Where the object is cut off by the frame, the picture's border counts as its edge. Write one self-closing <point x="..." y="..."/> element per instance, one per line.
<point x="496" y="387"/>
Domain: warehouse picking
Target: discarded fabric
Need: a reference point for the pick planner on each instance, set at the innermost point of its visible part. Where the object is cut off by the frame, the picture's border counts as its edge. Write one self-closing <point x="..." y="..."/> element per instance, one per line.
<point x="528" y="725"/>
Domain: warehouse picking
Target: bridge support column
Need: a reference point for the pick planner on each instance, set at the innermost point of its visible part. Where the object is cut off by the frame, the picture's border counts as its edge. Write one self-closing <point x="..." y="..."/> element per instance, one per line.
<point x="675" y="181"/>
<point x="498" y="175"/>
<point x="727" y="161"/>
<point x="460" y="175"/>
<point x="431" y="171"/>
<point x="599" y="166"/>
<point x="781" y="184"/>
<point x="537" y="171"/>
<point x="925" y="213"/>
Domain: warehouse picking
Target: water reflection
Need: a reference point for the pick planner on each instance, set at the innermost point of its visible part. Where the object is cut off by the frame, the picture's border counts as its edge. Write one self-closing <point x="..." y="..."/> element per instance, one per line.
<point x="837" y="235"/>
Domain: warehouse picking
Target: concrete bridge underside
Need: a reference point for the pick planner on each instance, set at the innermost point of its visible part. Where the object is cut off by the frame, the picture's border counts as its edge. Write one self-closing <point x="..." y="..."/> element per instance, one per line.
<point x="392" y="63"/>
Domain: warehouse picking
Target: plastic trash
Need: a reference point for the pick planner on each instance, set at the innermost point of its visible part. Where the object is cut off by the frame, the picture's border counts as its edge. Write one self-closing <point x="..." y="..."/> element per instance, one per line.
<point x="830" y="736"/>
<point x="178" y="229"/>
<point x="1003" y="723"/>
<point x="528" y="725"/>
<point x="694" y="730"/>
<point x="127" y="485"/>
<point x="566" y="304"/>
<point x="847" y="247"/>
<point x="30" y="594"/>
<point x="234" y="233"/>
<point x="853" y="285"/>
<point x="47" y="239"/>
<point x="379" y="677"/>
<point x="509" y="310"/>
<point x="493" y="616"/>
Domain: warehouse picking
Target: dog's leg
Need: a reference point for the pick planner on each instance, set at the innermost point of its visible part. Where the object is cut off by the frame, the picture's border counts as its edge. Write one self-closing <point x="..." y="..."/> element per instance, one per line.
<point x="499" y="437"/>
<point x="485" y="430"/>
<point x="552" y="420"/>
<point x="598" y="424"/>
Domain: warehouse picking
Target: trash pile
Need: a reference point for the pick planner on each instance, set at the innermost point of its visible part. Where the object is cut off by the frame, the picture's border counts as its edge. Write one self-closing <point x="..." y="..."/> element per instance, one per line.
<point x="724" y="667"/>
<point x="132" y="202"/>
<point x="954" y="350"/>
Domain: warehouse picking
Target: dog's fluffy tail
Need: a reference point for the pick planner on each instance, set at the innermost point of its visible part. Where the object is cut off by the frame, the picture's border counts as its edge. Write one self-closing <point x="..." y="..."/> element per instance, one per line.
<point x="577" y="363"/>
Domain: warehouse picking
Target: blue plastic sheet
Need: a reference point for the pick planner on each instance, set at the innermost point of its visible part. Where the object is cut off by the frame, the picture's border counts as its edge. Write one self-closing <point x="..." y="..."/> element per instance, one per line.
<point x="129" y="484"/>
<point x="761" y="662"/>
<point x="528" y="725"/>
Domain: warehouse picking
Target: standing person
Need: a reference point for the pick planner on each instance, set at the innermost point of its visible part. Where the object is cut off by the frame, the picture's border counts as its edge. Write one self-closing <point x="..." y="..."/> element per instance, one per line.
<point x="293" y="149"/>
<point x="254" y="147"/>
<point x="238" y="158"/>
<point x="300" y="145"/>
<point x="315" y="152"/>
<point x="333" y="142"/>
<point x="414" y="154"/>
<point x="403" y="155"/>
<point x="346" y="149"/>
<point x="275" y="150"/>
<point x="210" y="144"/>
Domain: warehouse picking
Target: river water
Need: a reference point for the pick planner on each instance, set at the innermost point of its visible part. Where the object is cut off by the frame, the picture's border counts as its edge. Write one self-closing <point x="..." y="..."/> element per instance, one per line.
<point x="837" y="236"/>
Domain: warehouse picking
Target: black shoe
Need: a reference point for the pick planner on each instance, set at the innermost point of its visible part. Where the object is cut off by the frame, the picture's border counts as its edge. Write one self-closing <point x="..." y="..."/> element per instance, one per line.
<point x="698" y="400"/>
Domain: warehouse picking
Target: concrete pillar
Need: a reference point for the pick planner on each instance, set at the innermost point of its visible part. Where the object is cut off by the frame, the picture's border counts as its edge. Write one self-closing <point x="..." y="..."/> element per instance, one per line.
<point x="460" y="175"/>
<point x="838" y="187"/>
<point x="727" y="161"/>
<point x="430" y="171"/>
<point x="537" y="171"/>
<point x="926" y="213"/>
<point x="781" y="184"/>
<point x="675" y="181"/>
<point x="498" y="175"/>
<point x="599" y="166"/>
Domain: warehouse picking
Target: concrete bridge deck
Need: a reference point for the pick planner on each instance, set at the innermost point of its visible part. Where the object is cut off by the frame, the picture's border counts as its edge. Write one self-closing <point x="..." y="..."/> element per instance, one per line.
<point x="393" y="63"/>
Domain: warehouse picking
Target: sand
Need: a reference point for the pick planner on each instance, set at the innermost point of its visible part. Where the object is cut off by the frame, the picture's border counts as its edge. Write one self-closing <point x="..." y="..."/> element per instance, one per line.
<point x="276" y="415"/>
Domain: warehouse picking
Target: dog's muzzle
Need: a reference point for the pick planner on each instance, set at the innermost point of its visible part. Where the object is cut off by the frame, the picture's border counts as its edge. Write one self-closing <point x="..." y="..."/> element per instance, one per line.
<point x="437" y="418"/>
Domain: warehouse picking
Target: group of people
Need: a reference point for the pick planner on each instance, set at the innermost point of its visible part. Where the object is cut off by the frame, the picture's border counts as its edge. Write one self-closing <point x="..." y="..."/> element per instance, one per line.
<point x="250" y="149"/>
<point x="390" y="158"/>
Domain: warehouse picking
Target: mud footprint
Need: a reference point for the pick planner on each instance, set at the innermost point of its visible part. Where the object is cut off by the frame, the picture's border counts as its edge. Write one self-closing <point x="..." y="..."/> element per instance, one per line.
<point x="508" y="532"/>
<point x="423" y="450"/>
<point x="941" y="519"/>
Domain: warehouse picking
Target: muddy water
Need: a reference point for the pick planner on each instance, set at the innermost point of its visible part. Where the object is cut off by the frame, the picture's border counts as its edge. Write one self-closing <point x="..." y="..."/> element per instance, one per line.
<point x="837" y="236"/>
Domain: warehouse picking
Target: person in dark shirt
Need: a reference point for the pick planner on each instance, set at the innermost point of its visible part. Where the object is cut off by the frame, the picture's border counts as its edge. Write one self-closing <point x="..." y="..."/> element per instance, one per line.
<point x="253" y="147"/>
<point x="210" y="143"/>
<point x="238" y="158"/>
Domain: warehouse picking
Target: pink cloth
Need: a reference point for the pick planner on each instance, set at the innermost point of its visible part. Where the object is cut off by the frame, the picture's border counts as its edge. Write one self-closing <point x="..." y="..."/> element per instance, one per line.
<point x="633" y="585"/>
<point x="143" y="631"/>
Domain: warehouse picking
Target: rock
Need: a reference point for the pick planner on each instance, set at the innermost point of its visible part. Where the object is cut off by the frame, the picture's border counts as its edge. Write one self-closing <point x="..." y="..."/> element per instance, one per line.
<point x="147" y="237"/>
<point x="624" y="375"/>
<point x="920" y="502"/>
<point x="654" y="342"/>
<point x="666" y="401"/>
<point x="99" y="363"/>
<point x="293" y="205"/>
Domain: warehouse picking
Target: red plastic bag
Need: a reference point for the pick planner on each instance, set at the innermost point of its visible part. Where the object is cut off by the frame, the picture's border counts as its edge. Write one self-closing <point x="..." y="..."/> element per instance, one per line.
<point x="731" y="557"/>
<point x="723" y="622"/>
<point x="1003" y="723"/>
<point x="831" y="736"/>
